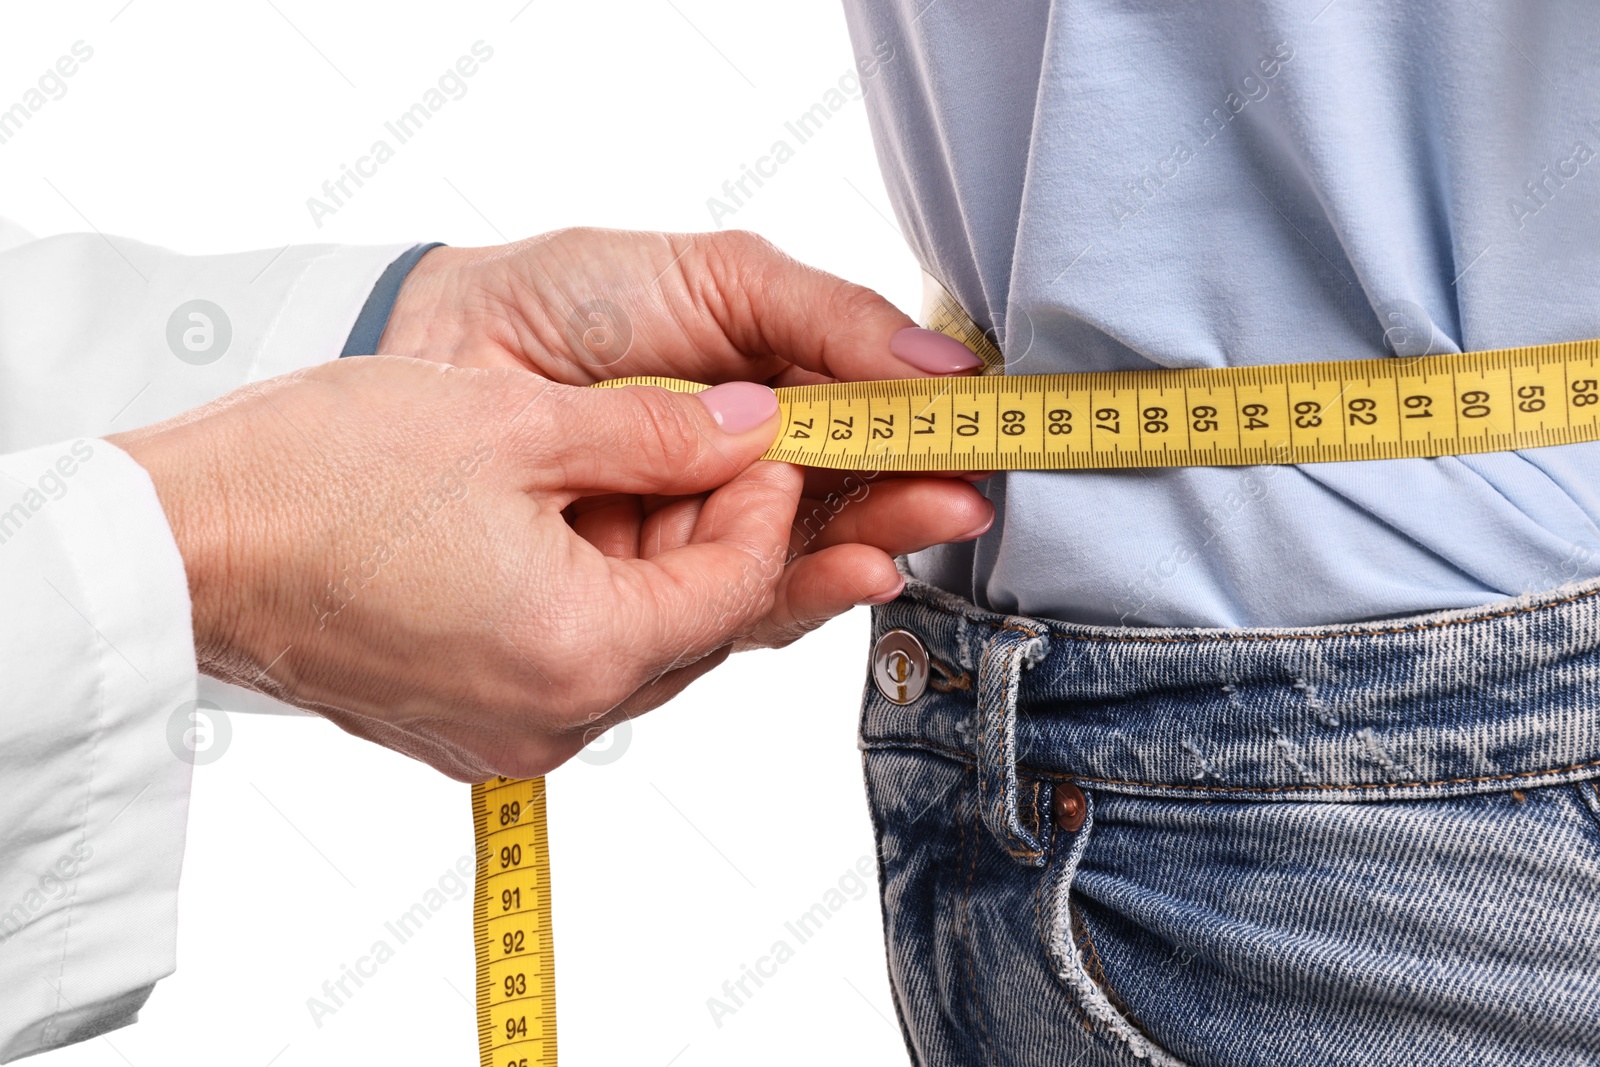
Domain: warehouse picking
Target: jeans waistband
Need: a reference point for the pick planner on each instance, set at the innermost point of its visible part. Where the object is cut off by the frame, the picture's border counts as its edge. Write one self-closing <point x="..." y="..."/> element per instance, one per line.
<point x="1500" y="697"/>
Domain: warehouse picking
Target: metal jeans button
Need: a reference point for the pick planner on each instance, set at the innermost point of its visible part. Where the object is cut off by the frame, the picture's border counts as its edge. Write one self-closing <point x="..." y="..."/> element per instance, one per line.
<point x="900" y="666"/>
<point x="1069" y="807"/>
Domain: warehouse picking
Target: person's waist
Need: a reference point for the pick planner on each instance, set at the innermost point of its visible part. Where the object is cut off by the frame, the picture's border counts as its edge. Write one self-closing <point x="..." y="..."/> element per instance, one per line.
<point x="1463" y="701"/>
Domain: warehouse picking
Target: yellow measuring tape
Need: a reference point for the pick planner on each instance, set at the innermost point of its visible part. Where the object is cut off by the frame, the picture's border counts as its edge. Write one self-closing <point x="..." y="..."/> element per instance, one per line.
<point x="1233" y="416"/>
<point x="1283" y="413"/>
<point x="511" y="925"/>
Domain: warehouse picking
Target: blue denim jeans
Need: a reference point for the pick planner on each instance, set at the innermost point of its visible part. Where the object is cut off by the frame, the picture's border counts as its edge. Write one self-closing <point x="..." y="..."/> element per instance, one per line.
<point x="1366" y="844"/>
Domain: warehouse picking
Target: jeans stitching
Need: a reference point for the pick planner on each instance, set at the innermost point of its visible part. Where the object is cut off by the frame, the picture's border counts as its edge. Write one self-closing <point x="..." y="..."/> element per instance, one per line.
<point x="1246" y="635"/>
<point x="1062" y="776"/>
<point x="1044" y="942"/>
<point x="1086" y="984"/>
<point x="953" y="678"/>
<point x="1097" y="969"/>
<point x="1037" y="818"/>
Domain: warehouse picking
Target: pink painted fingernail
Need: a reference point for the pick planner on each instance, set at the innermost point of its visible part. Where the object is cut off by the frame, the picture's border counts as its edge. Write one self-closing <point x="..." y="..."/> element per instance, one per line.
<point x="884" y="598"/>
<point x="739" y="406"/>
<point x="933" y="352"/>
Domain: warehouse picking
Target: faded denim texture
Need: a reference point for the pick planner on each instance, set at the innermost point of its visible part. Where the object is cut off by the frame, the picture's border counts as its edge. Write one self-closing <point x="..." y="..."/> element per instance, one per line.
<point x="1364" y="844"/>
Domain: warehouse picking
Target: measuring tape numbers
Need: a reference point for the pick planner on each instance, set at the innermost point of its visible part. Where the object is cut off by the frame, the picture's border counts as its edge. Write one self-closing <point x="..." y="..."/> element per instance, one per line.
<point x="511" y="925"/>
<point x="1214" y="417"/>
<point x="1394" y="408"/>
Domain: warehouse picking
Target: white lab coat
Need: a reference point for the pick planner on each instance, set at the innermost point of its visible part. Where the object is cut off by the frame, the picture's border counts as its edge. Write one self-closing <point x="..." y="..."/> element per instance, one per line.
<point x="96" y="648"/>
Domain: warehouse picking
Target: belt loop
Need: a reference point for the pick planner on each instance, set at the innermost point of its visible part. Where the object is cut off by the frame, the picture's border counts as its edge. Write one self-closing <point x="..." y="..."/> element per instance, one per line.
<point x="1018" y="647"/>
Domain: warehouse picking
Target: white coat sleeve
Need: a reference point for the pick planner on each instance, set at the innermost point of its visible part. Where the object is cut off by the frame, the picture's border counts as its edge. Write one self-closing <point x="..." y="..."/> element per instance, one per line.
<point x="97" y="671"/>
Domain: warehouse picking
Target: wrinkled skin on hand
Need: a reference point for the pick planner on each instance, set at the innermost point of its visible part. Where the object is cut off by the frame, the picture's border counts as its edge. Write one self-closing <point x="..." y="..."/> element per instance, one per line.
<point x="586" y="305"/>
<point x="382" y="541"/>
<point x="465" y="556"/>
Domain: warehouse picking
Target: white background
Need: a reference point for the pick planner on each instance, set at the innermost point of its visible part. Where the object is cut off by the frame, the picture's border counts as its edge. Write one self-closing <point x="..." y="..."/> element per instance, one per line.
<point x="205" y="127"/>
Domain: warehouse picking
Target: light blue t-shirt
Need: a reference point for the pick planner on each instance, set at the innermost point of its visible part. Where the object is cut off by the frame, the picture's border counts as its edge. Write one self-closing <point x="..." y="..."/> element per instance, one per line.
<point x="1121" y="184"/>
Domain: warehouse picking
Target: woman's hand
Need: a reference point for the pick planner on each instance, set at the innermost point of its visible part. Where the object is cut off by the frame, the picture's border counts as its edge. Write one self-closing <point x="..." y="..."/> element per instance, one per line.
<point x="384" y="541"/>
<point x="587" y="305"/>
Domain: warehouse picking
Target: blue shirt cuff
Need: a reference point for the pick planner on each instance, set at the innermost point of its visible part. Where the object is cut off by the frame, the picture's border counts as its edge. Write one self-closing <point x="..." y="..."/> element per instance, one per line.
<point x="368" y="330"/>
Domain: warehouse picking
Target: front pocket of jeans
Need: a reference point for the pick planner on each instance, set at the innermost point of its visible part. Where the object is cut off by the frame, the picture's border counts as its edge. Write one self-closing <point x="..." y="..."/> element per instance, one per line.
<point x="1072" y="954"/>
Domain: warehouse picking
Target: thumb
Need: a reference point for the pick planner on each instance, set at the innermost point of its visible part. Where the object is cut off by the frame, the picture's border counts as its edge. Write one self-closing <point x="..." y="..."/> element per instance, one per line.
<point x="776" y="304"/>
<point x="643" y="439"/>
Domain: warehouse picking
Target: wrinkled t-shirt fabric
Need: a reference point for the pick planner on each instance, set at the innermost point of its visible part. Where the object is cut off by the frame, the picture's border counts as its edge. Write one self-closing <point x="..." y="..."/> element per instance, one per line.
<point x="1122" y="184"/>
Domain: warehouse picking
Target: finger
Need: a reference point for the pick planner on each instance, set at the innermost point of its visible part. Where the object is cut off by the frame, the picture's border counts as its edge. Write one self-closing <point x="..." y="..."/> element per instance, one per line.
<point x="678" y="606"/>
<point x="900" y="516"/>
<point x="765" y="303"/>
<point x="672" y="525"/>
<point x="643" y="439"/>
<point x="821" y="586"/>
<point x="625" y="527"/>
<point x="610" y="523"/>
<point x="795" y="376"/>
<point x="820" y="481"/>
